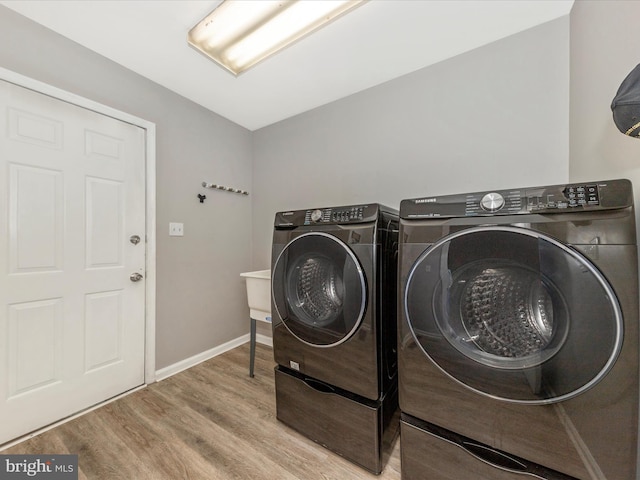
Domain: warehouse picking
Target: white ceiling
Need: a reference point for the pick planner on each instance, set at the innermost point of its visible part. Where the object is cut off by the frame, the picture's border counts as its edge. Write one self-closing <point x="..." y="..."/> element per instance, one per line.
<point x="379" y="41"/>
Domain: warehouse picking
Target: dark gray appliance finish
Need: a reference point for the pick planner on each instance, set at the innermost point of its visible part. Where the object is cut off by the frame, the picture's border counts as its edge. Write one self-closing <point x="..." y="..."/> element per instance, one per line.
<point x="433" y="453"/>
<point x="334" y="296"/>
<point x="334" y="326"/>
<point x="363" y="431"/>
<point x="518" y="324"/>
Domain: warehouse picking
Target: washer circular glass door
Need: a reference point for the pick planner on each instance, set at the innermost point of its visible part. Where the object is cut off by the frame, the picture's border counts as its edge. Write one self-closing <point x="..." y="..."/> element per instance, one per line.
<point x="513" y="314"/>
<point x="319" y="289"/>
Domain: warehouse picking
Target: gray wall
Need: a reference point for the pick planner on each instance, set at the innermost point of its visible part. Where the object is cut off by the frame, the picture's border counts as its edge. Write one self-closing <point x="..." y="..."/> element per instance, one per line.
<point x="604" y="49"/>
<point x="201" y="301"/>
<point x="495" y="117"/>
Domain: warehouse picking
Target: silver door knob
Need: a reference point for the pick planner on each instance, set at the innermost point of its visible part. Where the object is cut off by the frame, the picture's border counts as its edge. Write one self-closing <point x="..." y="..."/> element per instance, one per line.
<point x="135" y="239"/>
<point x="135" y="277"/>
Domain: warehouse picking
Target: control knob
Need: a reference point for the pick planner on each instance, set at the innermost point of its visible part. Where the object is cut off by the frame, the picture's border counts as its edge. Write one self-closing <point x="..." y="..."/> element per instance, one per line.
<point x="316" y="215"/>
<point x="492" y="202"/>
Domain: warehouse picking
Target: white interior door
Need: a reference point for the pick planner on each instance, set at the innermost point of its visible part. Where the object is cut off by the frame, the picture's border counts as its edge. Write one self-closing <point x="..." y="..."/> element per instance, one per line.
<point x="72" y="322"/>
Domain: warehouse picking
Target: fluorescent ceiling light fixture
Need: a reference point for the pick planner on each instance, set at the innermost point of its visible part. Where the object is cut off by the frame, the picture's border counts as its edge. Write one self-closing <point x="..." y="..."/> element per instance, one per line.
<point x="240" y="33"/>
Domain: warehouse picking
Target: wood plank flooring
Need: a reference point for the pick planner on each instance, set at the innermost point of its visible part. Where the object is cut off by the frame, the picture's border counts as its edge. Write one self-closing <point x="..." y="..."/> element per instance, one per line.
<point x="209" y="422"/>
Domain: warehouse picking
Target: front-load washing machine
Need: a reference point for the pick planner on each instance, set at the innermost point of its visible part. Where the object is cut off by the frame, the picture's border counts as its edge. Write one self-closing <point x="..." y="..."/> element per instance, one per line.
<point x="518" y="336"/>
<point x="334" y="327"/>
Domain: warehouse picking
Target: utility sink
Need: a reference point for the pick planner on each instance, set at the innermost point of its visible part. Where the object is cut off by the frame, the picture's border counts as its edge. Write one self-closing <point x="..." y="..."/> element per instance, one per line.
<point x="259" y="299"/>
<point x="259" y="294"/>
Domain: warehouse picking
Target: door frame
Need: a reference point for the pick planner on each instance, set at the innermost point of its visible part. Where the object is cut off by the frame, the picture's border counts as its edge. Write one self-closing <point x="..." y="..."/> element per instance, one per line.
<point x="150" y="197"/>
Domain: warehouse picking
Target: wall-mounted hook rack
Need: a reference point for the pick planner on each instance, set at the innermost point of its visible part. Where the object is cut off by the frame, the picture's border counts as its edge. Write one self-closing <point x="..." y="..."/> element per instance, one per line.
<point x="226" y="189"/>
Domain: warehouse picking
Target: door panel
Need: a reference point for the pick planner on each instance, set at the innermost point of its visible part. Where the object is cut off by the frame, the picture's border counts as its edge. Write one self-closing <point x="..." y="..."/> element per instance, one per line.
<point x="35" y="345"/>
<point x="104" y="223"/>
<point x="71" y="320"/>
<point x="103" y="329"/>
<point x="35" y="129"/>
<point x="36" y="243"/>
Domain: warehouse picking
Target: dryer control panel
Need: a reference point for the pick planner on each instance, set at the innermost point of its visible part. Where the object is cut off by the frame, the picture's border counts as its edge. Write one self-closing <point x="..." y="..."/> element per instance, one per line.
<point x="351" y="214"/>
<point x="576" y="197"/>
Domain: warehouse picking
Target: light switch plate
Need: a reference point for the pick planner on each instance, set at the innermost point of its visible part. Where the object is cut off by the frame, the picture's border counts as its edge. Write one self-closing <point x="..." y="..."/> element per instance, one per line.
<point x="176" y="229"/>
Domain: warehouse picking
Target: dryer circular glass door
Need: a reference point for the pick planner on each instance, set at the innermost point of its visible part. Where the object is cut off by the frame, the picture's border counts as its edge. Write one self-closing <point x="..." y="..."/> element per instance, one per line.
<point x="513" y="314"/>
<point x="319" y="289"/>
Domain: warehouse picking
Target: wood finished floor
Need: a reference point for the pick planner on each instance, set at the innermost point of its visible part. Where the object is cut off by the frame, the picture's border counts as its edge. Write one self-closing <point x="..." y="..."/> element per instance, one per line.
<point x="209" y="422"/>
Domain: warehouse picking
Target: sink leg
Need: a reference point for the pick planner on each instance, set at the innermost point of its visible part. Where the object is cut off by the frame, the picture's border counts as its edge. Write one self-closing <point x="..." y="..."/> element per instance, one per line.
<point x="252" y="347"/>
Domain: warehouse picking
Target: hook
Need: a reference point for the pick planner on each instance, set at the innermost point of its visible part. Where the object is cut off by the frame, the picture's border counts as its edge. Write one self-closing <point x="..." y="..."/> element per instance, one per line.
<point x="222" y="187"/>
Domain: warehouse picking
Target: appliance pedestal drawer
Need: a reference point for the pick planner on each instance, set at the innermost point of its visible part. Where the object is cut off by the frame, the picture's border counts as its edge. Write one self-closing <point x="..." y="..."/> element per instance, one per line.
<point x="431" y="452"/>
<point x="361" y="430"/>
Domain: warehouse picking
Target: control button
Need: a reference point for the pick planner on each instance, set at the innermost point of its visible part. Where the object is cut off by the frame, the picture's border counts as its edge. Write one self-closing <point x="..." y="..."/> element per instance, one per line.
<point x="492" y="202"/>
<point x="316" y="215"/>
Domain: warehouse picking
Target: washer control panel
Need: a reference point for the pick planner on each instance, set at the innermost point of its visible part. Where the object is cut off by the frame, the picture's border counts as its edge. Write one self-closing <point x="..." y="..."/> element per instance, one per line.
<point x="343" y="215"/>
<point x="335" y="215"/>
<point x="541" y="200"/>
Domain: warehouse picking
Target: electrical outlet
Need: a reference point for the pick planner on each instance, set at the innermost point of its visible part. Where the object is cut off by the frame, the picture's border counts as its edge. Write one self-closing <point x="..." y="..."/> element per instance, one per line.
<point x="176" y="229"/>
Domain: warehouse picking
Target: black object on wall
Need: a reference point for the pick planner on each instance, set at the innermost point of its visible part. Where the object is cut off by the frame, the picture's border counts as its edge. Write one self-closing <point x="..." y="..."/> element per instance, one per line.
<point x="626" y="104"/>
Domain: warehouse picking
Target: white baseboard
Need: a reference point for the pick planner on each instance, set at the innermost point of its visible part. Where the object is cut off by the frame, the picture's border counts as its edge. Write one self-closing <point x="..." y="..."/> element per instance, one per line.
<point x="182" y="365"/>
<point x="264" y="339"/>
<point x="178" y="367"/>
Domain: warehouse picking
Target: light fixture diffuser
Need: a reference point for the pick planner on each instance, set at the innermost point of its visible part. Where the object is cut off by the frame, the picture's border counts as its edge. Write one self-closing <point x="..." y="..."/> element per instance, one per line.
<point x="240" y="33"/>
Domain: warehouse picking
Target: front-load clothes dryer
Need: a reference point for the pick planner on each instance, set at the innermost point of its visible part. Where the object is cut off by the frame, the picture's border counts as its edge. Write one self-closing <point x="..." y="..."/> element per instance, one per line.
<point x="334" y="312"/>
<point x="519" y="331"/>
